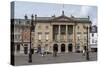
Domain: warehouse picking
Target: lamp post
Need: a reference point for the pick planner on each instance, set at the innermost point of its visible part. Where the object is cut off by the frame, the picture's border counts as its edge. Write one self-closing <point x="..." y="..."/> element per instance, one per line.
<point x="87" y="52"/>
<point x="30" y="52"/>
<point x="32" y="29"/>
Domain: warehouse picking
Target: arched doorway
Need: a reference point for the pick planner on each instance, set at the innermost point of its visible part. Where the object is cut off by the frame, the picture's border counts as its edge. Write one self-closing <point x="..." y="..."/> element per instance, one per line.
<point x="55" y="47"/>
<point x="70" y="47"/>
<point x="62" y="47"/>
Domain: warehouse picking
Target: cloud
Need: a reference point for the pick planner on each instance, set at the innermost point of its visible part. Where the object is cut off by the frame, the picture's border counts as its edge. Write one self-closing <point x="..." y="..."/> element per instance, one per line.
<point x="94" y="21"/>
<point x="84" y="11"/>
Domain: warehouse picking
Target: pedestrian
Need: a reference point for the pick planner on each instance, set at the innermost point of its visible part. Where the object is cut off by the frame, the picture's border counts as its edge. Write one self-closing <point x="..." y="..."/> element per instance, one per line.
<point x="39" y="49"/>
<point x="55" y="53"/>
<point x="42" y="52"/>
<point x="83" y="52"/>
<point x="55" y="49"/>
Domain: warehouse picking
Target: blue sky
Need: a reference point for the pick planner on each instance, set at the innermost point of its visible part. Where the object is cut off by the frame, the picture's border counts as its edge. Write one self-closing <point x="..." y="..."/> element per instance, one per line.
<point x="49" y="9"/>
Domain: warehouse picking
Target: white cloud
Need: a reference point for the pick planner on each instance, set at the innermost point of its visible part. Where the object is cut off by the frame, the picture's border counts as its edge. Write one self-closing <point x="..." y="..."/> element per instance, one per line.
<point x="84" y="11"/>
<point x="94" y="21"/>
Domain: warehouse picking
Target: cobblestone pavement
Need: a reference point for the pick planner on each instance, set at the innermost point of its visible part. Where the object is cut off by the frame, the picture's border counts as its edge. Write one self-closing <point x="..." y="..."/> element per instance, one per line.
<point x="49" y="59"/>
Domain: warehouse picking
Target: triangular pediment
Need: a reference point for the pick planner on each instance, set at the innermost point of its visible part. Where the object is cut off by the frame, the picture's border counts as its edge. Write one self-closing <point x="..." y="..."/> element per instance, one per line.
<point x="62" y="18"/>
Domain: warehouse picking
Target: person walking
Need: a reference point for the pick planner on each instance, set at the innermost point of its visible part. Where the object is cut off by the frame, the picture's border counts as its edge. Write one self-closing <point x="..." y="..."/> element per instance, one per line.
<point x="42" y="51"/>
<point x="39" y="49"/>
<point x="55" y="53"/>
<point x="83" y="53"/>
<point x="55" y="49"/>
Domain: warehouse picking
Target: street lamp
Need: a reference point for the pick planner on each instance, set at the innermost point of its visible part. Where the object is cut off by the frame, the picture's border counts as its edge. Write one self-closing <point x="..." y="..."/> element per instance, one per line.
<point x="87" y="52"/>
<point x="87" y="29"/>
<point x="30" y="52"/>
<point x="32" y="29"/>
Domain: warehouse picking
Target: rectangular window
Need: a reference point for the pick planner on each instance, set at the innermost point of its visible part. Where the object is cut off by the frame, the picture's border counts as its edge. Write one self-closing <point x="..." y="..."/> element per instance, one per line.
<point x="55" y="29"/>
<point x="63" y="29"/>
<point x="92" y="35"/>
<point x="17" y="37"/>
<point x="62" y="38"/>
<point x="78" y="32"/>
<point x="78" y="38"/>
<point x="93" y="41"/>
<point x="85" y="39"/>
<point x="17" y="29"/>
<point x="78" y="46"/>
<point x="55" y="37"/>
<point x="47" y="35"/>
<point x="70" y="29"/>
<point x="55" y="32"/>
<point x="39" y="35"/>
<point x="85" y="32"/>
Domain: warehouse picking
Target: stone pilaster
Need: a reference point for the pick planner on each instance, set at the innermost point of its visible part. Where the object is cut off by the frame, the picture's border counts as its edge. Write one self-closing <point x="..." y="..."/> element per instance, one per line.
<point x="59" y="47"/>
<point x="59" y="33"/>
<point x="66" y="45"/>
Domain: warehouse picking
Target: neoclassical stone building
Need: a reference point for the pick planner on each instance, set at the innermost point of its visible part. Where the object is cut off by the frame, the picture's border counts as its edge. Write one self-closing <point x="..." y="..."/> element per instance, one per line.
<point x="68" y="34"/>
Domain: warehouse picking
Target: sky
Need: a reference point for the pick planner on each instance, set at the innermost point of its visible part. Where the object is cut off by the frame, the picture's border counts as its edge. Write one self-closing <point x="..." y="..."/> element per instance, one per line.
<point x="50" y="9"/>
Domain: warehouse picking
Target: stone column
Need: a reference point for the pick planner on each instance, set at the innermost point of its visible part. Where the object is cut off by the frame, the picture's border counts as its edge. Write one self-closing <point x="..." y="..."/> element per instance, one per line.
<point x="66" y="45"/>
<point x="74" y="38"/>
<point x="59" y="33"/>
<point x="59" y="47"/>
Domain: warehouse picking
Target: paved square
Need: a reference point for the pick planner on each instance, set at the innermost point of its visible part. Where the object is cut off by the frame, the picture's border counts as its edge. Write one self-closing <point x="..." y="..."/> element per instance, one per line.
<point x="48" y="59"/>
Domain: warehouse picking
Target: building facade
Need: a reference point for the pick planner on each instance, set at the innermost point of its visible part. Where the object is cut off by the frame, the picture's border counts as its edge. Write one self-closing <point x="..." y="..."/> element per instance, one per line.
<point x="68" y="34"/>
<point x="93" y="38"/>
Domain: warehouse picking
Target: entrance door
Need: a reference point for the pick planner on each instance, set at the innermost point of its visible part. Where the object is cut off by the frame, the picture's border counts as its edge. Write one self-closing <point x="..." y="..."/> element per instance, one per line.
<point x="70" y="47"/>
<point x="55" y="47"/>
<point x="62" y="47"/>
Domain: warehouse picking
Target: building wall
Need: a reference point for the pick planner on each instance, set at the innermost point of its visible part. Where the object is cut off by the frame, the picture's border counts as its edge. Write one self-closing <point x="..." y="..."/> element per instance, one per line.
<point x="93" y="40"/>
<point x="79" y="36"/>
<point x="21" y="37"/>
<point x="41" y="27"/>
